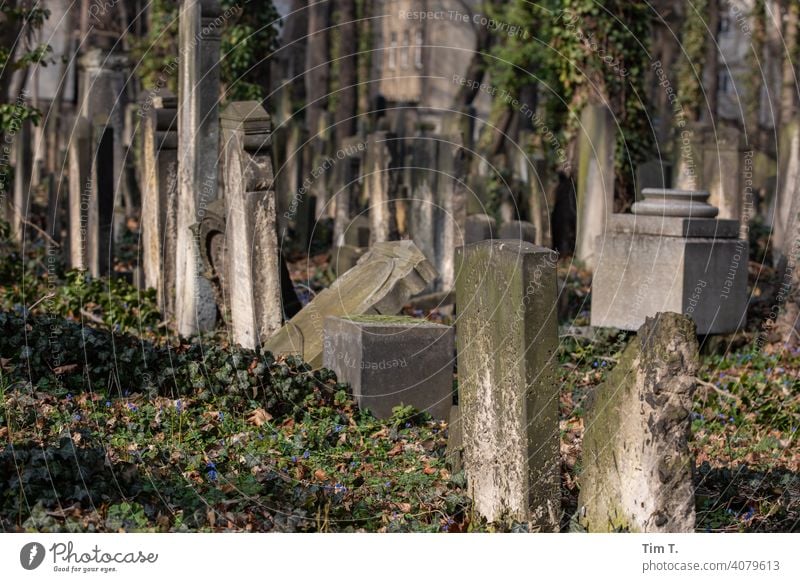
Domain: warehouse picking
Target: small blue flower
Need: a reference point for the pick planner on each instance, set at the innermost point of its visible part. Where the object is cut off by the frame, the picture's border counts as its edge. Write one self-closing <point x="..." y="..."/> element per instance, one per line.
<point x="306" y="455"/>
<point x="408" y="425"/>
<point x="337" y="428"/>
<point x="178" y="406"/>
<point x="210" y="465"/>
<point x="77" y="417"/>
<point x="69" y="395"/>
<point x="212" y="475"/>
<point x="221" y="416"/>
<point x="294" y="459"/>
<point x="594" y="364"/>
<point x="108" y="404"/>
<point x="132" y="406"/>
<point x="388" y="484"/>
<point x="339" y="488"/>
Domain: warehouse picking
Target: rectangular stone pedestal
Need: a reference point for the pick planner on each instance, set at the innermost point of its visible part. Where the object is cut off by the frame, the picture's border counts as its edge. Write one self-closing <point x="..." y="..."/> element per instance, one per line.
<point x="652" y="264"/>
<point x="392" y="361"/>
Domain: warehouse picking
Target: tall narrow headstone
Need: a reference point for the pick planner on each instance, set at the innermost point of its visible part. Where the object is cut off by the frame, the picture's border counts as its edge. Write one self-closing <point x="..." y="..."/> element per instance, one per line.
<point x="198" y="141"/>
<point x="80" y="185"/>
<point x="160" y="197"/>
<point x="380" y="182"/>
<point x="723" y="161"/>
<point x="424" y="210"/>
<point x="595" y="180"/>
<point x="508" y="394"/>
<point x="253" y="257"/>
<point x="98" y="237"/>
<point x="23" y="168"/>
<point x="347" y="185"/>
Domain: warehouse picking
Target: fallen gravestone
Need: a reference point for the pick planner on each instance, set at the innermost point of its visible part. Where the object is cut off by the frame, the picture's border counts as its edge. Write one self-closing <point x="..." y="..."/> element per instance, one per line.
<point x="637" y="469"/>
<point x="381" y="283"/>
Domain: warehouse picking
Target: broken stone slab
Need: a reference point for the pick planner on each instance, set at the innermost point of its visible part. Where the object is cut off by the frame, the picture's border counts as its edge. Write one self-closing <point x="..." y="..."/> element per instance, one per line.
<point x="507" y="334"/>
<point x="345" y="257"/>
<point x="392" y="361"/>
<point x="637" y="468"/>
<point x="382" y="282"/>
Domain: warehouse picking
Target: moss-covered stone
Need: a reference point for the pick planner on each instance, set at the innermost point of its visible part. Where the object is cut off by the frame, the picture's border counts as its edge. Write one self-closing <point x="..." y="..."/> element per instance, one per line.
<point x="637" y="469"/>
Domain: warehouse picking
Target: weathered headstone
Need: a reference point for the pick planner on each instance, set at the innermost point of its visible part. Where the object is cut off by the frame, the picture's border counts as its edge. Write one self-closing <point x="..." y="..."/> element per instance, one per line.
<point x="97" y="239"/>
<point x="787" y="180"/>
<point x="671" y="255"/>
<point x="636" y="466"/>
<point x="380" y="182"/>
<point x="723" y="162"/>
<point x="198" y="141"/>
<point x="518" y="229"/>
<point x="253" y="257"/>
<point x="160" y="196"/>
<point x="452" y="199"/>
<point x="689" y="158"/>
<point x="479" y="227"/>
<point x="23" y="167"/>
<point x="391" y="361"/>
<point x="595" y="180"/>
<point x="346" y="185"/>
<point x="424" y="208"/>
<point x="103" y="83"/>
<point x="508" y="395"/>
<point x="381" y="283"/>
<point x="80" y="186"/>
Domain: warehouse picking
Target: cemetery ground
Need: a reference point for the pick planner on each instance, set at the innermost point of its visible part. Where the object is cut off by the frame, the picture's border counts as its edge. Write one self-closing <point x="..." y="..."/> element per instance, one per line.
<point x="135" y="431"/>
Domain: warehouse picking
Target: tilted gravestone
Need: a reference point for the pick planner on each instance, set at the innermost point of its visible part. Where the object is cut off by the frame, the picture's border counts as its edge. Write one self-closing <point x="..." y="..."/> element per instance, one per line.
<point x="80" y="185"/>
<point x="507" y="336"/>
<point x="253" y="257"/>
<point x="160" y="196"/>
<point x="391" y="361"/>
<point x="636" y="465"/>
<point x="198" y="142"/>
<point x="381" y="283"/>
<point x="671" y="255"/>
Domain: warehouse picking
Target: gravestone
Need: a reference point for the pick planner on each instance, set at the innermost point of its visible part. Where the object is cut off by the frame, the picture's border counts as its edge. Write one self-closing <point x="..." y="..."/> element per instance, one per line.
<point x="346" y="187"/>
<point x="381" y="283"/>
<point x="636" y="465"/>
<point x="689" y="165"/>
<point x="380" y="183"/>
<point x="392" y="361"/>
<point x="452" y="198"/>
<point x="595" y="180"/>
<point x="424" y="203"/>
<point x="160" y="196"/>
<point x="723" y="160"/>
<point x="23" y="168"/>
<point x="508" y="394"/>
<point x="80" y="185"/>
<point x="479" y="227"/>
<point x="198" y="141"/>
<point x="519" y="230"/>
<point x="786" y="188"/>
<point x="103" y="93"/>
<point x="253" y="256"/>
<point x="98" y="238"/>
<point x="671" y="255"/>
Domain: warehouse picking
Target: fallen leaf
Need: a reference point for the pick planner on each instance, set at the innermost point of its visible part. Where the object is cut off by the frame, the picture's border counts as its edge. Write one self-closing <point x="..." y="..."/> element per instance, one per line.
<point x="404" y="507"/>
<point x="65" y="369"/>
<point x="320" y="475"/>
<point x="428" y="470"/>
<point x="259" y="416"/>
<point x="396" y="450"/>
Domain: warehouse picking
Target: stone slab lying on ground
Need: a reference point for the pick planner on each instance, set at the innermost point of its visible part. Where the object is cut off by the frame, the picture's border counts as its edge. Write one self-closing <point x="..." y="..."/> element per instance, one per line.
<point x="391" y="361"/>
<point x="636" y="466"/>
<point x="381" y="283"/>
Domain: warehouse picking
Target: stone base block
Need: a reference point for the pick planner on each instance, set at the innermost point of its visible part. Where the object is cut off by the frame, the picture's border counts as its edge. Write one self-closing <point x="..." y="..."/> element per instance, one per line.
<point x="392" y="361"/>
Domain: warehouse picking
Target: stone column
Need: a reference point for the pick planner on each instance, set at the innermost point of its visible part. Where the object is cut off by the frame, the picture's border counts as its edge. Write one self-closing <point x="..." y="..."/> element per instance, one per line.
<point x="595" y="180"/>
<point x="103" y="81"/>
<point x="160" y="196"/>
<point x="723" y="162"/>
<point x="23" y="168"/>
<point x="98" y="239"/>
<point x="379" y="181"/>
<point x="80" y="185"/>
<point x="451" y="196"/>
<point x="253" y="257"/>
<point x="507" y="335"/>
<point x="198" y="139"/>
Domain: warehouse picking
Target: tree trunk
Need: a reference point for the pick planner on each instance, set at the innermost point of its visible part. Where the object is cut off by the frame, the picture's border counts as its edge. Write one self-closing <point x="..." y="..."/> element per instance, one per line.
<point x="317" y="64"/>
